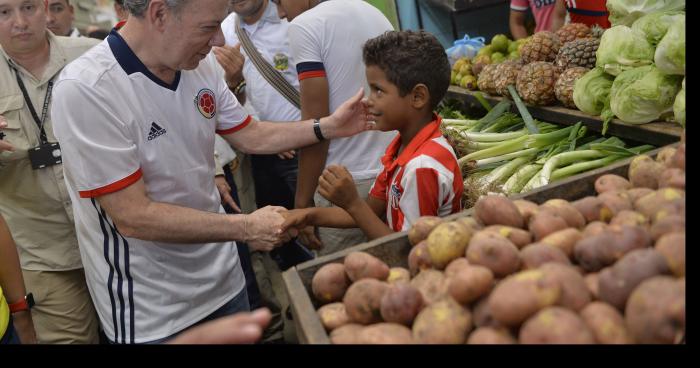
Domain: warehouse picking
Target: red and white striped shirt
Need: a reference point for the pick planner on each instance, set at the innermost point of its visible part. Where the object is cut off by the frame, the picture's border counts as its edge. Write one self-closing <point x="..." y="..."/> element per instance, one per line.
<point x="424" y="180"/>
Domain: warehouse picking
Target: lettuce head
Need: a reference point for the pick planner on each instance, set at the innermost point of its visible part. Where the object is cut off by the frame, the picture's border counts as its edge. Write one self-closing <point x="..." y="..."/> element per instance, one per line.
<point x="622" y="48"/>
<point x="625" y="12"/>
<point x="670" y="54"/>
<point x="642" y="95"/>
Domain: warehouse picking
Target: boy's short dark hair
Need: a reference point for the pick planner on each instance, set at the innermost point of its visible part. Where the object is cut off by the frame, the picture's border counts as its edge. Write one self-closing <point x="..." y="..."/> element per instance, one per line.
<point x="409" y="58"/>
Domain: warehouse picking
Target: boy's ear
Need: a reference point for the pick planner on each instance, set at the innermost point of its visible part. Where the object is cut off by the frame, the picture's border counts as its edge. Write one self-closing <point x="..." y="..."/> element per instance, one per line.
<point x="420" y="96"/>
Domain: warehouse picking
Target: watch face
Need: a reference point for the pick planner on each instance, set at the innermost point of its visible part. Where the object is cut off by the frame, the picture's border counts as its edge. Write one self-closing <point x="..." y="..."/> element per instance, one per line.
<point x="30" y="299"/>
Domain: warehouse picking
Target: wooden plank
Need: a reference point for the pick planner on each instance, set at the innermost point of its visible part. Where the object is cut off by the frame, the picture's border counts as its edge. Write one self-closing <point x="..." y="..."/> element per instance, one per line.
<point x="655" y="133"/>
<point x="393" y="249"/>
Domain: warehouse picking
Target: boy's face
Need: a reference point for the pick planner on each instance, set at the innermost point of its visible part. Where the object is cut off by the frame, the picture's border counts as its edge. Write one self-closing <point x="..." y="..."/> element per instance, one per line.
<point x="385" y="104"/>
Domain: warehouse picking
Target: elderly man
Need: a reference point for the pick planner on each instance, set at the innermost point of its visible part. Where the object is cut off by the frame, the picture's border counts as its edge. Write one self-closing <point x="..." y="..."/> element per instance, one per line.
<point x="60" y="17"/>
<point x="33" y="195"/>
<point x="157" y="246"/>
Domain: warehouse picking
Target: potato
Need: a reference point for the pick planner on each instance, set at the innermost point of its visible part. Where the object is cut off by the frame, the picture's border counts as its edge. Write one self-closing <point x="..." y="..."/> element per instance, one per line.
<point x="363" y="300"/>
<point x="470" y="223"/>
<point x="672" y="247"/>
<point x="456" y="266"/>
<point x="447" y="242"/>
<point x="481" y="314"/>
<point x="574" y="292"/>
<point x="653" y="202"/>
<point x="470" y="283"/>
<point x="636" y="193"/>
<point x="537" y="254"/>
<point x="672" y="177"/>
<point x="444" y="322"/>
<point x="519" y="296"/>
<point x="591" y="280"/>
<point x="360" y="265"/>
<point x="330" y="283"/>
<point x="678" y="159"/>
<point x="419" y="259"/>
<point x="644" y="172"/>
<point x="526" y="209"/>
<point x="610" y="182"/>
<point x="546" y="222"/>
<point x="665" y="155"/>
<point x="567" y="211"/>
<point x="628" y="238"/>
<point x="422" y="228"/>
<point x="490" y="336"/>
<point x="401" y="303"/>
<point x="494" y="252"/>
<point x="616" y="201"/>
<point x="593" y="209"/>
<point x="385" y="333"/>
<point x="632" y="218"/>
<point x="616" y="283"/>
<point x="398" y="274"/>
<point x="655" y="312"/>
<point x="498" y="210"/>
<point x="594" y="228"/>
<point x="556" y="325"/>
<point x="606" y="323"/>
<point x="519" y="237"/>
<point x="333" y="315"/>
<point x="564" y="240"/>
<point x="667" y="225"/>
<point x="431" y="284"/>
<point x="596" y="251"/>
<point x="346" y="334"/>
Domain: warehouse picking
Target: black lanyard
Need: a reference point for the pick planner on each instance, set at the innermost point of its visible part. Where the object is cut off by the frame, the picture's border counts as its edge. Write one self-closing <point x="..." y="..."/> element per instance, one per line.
<point x="47" y="99"/>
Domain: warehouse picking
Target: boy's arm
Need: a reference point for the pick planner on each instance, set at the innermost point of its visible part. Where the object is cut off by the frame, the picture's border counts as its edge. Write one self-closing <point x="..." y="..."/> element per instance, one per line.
<point x="366" y="216"/>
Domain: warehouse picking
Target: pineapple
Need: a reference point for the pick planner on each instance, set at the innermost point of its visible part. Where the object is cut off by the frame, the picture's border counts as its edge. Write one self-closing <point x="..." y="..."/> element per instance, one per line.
<point x="486" y="79"/>
<point x="506" y="73"/>
<point x="542" y="46"/>
<point x="573" y="31"/>
<point x="579" y="52"/>
<point x="597" y="31"/>
<point x="535" y="83"/>
<point x="564" y="88"/>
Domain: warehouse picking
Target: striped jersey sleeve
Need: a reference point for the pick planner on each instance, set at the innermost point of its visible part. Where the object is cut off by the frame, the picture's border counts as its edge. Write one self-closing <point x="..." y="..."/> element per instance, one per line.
<point x="519" y="5"/>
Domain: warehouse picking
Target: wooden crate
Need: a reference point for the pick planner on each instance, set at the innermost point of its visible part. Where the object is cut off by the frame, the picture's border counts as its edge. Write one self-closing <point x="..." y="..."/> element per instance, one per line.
<point x="655" y="133"/>
<point x="393" y="249"/>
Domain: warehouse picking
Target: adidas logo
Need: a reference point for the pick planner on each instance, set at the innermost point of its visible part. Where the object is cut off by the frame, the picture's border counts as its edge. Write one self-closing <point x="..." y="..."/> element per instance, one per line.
<point x="156" y="131"/>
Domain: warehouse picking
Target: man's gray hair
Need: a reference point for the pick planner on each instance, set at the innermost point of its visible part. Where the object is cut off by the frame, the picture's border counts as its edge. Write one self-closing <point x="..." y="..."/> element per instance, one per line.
<point x="138" y="7"/>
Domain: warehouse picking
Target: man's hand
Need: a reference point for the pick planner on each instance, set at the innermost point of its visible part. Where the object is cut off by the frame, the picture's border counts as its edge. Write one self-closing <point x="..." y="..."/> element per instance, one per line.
<point x="287" y="155"/>
<point x="231" y="59"/>
<point x="349" y="119"/>
<point x="263" y="229"/>
<point x="225" y="192"/>
<point x="240" y="328"/>
<point x="4" y="146"/>
<point x="24" y="326"/>
<point x="337" y="185"/>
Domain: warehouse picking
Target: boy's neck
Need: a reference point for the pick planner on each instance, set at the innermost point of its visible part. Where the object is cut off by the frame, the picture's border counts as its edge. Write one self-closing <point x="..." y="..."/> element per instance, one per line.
<point x="410" y="130"/>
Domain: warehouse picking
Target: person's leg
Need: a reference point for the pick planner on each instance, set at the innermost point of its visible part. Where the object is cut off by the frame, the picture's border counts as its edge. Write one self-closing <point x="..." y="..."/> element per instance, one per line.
<point x="63" y="313"/>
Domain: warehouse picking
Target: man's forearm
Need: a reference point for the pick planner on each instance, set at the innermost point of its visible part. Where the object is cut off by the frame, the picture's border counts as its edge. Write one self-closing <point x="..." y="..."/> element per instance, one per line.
<point x="312" y="160"/>
<point x="367" y="220"/>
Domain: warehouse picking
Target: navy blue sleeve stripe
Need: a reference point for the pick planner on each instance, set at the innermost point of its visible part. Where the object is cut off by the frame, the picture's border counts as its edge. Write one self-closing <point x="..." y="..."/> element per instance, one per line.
<point x="590" y="13"/>
<point x="309" y="67"/>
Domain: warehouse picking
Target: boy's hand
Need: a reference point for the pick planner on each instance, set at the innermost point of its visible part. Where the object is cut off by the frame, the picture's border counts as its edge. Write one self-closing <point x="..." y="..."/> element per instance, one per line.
<point x="337" y="185"/>
<point x="296" y="219"/>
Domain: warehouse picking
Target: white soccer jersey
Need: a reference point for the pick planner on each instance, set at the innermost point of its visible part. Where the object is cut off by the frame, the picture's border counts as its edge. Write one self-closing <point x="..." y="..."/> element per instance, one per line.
<point x="326" y="41"/>
<point x="116" y="122"/>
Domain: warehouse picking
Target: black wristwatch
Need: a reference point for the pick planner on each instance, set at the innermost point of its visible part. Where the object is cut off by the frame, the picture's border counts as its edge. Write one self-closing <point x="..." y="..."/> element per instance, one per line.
<point x="24" y="304"/>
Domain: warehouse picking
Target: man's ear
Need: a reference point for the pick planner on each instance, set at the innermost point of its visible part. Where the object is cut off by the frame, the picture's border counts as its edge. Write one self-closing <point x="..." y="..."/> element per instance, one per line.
<point x="157" y="13"/>
<point x="420" y="96"/>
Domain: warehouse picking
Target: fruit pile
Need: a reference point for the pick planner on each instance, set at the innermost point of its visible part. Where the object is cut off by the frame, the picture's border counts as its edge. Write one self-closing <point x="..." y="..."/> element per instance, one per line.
<point x="606" y="269"/>
<point x="548" y="65"/>
<point x="501" y="49"/>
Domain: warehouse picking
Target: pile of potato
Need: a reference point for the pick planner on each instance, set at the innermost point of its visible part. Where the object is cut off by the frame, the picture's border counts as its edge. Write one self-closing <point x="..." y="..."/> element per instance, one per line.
<point x="606" y="269"/>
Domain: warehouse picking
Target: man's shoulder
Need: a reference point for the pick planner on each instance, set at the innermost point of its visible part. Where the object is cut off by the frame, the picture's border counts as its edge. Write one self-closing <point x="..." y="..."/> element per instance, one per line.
<point x="76" y="46"/>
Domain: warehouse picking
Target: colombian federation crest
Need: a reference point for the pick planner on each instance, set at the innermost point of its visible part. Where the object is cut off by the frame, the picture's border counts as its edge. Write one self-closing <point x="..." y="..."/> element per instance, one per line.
<point x="206" y="103"/>
<point x="395" y="196"/>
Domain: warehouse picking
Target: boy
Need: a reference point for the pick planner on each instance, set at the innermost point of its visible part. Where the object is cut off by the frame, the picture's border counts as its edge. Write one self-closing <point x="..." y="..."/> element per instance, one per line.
<point x="408" y="74"/>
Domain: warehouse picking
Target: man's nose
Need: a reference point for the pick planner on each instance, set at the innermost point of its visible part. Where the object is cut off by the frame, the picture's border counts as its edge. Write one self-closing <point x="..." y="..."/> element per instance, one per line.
<point x="218" y="39"/>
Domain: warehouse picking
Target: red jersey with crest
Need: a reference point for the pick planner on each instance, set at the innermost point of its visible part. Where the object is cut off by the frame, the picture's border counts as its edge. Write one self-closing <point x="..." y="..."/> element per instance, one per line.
<point x="423" y="180"/>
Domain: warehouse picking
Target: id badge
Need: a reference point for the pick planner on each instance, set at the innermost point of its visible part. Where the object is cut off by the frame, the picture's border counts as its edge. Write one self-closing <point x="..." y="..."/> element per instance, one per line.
<point x="45" y="155"/>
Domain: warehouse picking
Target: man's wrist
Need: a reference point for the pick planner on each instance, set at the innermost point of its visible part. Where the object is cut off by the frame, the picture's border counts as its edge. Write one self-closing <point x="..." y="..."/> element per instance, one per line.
<point x="325" y="127"/>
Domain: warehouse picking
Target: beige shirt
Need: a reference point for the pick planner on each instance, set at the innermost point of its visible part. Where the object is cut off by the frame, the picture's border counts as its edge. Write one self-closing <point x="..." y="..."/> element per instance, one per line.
<point x="35" y="203"/>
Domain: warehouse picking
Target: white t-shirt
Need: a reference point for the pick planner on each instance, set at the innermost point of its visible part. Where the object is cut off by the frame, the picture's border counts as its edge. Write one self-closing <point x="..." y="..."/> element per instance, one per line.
<point x="116" y="122"/>
<point x="269" y="35"/>
<point x="327" y="40"/>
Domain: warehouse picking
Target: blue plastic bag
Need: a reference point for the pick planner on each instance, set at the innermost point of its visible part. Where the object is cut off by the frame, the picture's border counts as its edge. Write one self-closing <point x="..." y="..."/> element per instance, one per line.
<point x="466" y="47"/>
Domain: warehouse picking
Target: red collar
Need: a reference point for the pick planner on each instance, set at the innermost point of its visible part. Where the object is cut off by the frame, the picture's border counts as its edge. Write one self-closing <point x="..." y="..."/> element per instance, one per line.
<point x="430" y="131"/>
<point x="119" y="25"/>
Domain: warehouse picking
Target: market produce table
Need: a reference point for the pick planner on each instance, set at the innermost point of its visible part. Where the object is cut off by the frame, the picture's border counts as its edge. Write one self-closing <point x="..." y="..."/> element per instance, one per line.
<point x="394" y="249"/>
<point x="655" y="133"/>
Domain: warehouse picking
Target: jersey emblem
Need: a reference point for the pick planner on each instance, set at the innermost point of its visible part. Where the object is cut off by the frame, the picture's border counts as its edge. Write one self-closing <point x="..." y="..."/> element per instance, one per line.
<point x="206" y="103"/>
<point x="281" y="61"/>
<point x="395" y="196"/>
